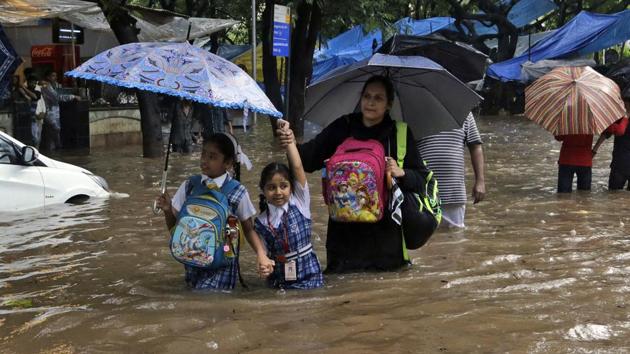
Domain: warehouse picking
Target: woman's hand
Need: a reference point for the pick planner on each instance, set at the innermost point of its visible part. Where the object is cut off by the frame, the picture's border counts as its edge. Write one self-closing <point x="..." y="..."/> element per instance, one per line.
<point x="285" y="134"/>
<point x="164" y="202"/>
<point x="393" y="169"/>
<point x="265" y="266"/>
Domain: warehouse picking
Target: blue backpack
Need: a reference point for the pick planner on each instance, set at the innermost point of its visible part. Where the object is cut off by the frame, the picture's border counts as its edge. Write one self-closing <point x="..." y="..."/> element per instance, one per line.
<point x="201" y="236"/>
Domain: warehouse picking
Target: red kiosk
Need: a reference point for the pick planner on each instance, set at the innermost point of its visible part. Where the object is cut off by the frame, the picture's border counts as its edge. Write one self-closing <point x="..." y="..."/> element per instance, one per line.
<point x="56" y="57"/>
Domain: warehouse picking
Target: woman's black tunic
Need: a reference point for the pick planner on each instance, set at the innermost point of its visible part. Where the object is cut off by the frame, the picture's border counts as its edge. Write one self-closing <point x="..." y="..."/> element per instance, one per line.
<point x="363" y="246"/>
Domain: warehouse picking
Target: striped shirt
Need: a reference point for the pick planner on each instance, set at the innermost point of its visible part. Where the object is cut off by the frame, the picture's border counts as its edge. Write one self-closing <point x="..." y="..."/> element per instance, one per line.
<point x="444" y="154"/>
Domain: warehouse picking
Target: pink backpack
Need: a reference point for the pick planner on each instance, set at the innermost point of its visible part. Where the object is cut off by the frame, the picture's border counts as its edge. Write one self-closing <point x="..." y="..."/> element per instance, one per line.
<point x="353" y="181"/>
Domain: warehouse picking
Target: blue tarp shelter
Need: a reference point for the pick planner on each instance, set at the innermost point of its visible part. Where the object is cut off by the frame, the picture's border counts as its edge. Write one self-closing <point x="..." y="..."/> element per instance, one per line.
<point x="584" y="34"/>
<point x="354" y="45"/>
<point x="353" y="42"/>
<point x="347" y="48"/>
<point x="423" y="27"/>
<point x="521" y="14"/>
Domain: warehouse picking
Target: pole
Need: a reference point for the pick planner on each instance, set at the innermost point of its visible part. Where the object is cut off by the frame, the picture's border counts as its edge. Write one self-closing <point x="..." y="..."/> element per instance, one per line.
<point x="288" y="73"/>
<point x="74" y="59"/>
<point x="255" y="75"/>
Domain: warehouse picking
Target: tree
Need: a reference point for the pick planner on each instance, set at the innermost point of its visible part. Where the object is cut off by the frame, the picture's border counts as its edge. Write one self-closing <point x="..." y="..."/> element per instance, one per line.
<point x="124" y="27"/>
<point x="493" y="14"/>
<point x="307" y="25"/>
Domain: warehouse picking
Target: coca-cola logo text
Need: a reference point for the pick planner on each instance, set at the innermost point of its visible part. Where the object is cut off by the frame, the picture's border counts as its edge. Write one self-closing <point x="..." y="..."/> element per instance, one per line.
<point x="42" y="52"/>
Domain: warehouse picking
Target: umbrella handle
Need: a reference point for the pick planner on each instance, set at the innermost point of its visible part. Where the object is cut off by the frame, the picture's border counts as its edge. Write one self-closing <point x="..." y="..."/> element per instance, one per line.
<point x="156" y="208"/>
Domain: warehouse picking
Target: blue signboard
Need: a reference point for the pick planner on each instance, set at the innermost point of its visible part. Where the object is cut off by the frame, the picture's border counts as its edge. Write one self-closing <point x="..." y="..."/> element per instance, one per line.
<point x="281" y="31"/>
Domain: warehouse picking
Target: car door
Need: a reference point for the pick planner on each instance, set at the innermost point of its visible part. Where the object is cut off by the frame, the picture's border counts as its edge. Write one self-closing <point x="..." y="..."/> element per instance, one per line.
<point x="21" y="186"/>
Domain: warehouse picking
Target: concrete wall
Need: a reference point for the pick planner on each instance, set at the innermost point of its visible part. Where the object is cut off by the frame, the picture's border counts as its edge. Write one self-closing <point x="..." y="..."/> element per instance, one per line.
<point x="111" y="127"/>
<point x="108" y="126"/>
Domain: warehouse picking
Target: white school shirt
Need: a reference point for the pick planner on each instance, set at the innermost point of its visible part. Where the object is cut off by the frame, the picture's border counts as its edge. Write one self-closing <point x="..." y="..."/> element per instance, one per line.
<point x="300" y="197"/>
<point x="244" y="211"/>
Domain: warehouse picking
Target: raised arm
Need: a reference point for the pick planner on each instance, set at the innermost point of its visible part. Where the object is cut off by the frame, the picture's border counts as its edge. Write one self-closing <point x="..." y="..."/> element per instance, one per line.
<point x="293" y="155"/>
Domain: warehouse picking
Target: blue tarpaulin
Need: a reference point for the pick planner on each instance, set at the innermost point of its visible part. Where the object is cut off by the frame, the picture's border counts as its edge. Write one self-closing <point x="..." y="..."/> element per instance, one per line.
<point x="585" y="33"/>
<point x="354" y="45"/>
<point x="347" y="48"/>
<point x="423" y="27"/>
<point x="521" y="14"/>
<point x="353" y="42"/>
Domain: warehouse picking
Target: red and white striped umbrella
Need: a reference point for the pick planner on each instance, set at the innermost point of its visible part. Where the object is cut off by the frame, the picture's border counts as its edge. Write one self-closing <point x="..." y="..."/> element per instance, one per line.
<point x="574" y="100"/>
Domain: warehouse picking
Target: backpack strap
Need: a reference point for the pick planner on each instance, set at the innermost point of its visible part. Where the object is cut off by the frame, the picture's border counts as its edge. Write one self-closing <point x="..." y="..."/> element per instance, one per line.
<point x="401" y="142"/>
<point x="401" y="152"/>
<point x="229" y="185"/>
<point x="193" y="181"/>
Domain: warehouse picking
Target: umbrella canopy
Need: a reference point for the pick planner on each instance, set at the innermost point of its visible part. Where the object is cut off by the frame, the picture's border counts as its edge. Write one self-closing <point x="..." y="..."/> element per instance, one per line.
<point x="428" y="97"/>
<point x="574" y="100"/>
<point x="462" y="60"/>
<point x="9" y="61"/>
<point x="177" y="69"/>
<point x="620" y="73"/>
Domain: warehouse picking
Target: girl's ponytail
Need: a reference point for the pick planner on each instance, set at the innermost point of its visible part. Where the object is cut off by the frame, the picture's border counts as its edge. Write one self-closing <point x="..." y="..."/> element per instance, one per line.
<point x="262" y="205"/>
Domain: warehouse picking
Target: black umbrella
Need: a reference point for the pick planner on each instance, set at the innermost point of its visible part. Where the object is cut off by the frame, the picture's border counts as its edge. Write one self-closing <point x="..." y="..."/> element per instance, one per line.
<point x="620" y="73"/>
<point x="462" y="60"/>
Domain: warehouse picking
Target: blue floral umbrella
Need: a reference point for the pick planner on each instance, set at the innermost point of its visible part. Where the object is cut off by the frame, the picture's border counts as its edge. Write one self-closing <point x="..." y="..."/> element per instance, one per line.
<point x="177" y="69"/>
<point x="9" y="61"/>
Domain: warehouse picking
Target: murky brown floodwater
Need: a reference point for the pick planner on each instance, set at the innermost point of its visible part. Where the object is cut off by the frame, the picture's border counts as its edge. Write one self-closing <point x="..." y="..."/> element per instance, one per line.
<point x="532" y="272"/>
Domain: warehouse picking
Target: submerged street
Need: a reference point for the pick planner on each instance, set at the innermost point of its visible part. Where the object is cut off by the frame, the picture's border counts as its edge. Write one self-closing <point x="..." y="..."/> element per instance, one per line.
<point x="532" y="272"/>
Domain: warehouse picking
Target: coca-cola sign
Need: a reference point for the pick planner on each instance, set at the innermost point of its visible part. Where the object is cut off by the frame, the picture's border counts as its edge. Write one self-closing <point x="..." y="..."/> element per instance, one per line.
<point x="42" y="51"/>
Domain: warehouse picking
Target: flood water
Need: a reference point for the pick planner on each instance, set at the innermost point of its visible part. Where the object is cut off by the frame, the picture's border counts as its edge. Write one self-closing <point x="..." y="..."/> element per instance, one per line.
<point x="532" y="271"/>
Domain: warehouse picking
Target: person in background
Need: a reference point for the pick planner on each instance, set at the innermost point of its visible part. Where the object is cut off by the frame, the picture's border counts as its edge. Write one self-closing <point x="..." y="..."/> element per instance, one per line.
<point x="620" y="164"/>
<point x="40" y="113"/>
<point x="27" y="93"/>
<point x="38" y="109"/>
<point x="444" y="154"/>
<point x="576" y="158"/>
<point x="212" y="120"/>
<point x="181" y="126"/>
<point x="245" y="111"/>
<point x="52" y="123"/>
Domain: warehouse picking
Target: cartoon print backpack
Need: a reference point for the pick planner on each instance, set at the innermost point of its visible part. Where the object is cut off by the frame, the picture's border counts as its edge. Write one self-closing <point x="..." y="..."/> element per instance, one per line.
<point x="202" y="236"/>
<point x="353" y="181"/>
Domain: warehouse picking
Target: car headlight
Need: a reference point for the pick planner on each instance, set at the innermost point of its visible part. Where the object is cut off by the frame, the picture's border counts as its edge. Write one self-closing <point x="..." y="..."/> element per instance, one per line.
<point x="100" y="181"/>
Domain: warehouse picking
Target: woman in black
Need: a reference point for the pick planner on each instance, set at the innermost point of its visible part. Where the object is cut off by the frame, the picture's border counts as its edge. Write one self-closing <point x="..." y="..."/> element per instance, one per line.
<point x="366" y="246"/>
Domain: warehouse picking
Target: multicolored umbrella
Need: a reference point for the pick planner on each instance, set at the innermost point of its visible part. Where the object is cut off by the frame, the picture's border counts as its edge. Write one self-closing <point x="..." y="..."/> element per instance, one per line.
<point x="177" y="69"/>
<point x="574" y="100"/>
<point x="9" y="61"/>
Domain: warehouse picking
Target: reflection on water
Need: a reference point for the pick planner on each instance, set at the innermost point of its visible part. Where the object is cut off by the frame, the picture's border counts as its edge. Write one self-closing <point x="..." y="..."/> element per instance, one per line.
<point x="533" y="271"/>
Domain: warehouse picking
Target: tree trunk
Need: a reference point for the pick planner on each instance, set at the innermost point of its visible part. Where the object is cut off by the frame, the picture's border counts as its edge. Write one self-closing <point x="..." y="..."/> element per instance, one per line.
<point x="270" y="69"/>
<point x="304" y="36"/>
<point x="125" y="30"/>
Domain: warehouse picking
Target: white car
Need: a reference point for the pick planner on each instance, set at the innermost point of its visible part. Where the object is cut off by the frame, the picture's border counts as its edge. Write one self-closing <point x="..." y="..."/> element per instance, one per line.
<point x="31" y="180"/>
